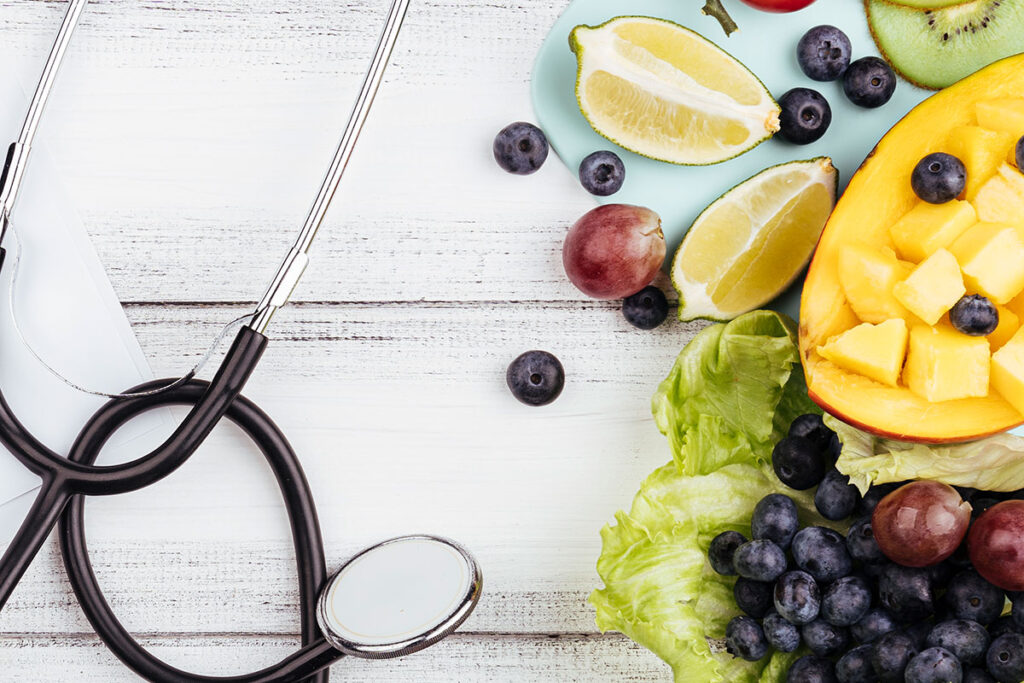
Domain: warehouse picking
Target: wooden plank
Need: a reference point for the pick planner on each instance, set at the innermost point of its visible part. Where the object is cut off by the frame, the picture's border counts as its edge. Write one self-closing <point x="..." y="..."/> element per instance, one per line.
<point x="403" y="422"/>
<point x="192" y="143"/>
<point x="464" y="658"/>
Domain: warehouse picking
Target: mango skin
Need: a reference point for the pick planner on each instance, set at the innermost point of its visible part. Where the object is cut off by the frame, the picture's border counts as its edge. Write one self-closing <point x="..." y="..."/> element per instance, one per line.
<point x="877" y="196"/>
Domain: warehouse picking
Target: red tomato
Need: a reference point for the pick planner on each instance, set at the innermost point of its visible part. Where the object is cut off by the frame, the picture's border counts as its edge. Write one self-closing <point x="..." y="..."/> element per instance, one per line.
<point x="778" y="5"/>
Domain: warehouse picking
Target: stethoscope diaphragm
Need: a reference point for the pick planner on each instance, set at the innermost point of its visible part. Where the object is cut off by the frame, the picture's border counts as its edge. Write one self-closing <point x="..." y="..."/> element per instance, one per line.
<point x="399" y="596"/>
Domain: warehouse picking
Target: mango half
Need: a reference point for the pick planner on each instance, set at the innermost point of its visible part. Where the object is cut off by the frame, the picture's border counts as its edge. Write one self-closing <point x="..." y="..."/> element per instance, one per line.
<point x="879" y="194"/>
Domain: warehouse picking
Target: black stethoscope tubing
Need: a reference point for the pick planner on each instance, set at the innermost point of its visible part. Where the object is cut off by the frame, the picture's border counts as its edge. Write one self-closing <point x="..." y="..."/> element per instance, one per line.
<point x="316" y="654"/>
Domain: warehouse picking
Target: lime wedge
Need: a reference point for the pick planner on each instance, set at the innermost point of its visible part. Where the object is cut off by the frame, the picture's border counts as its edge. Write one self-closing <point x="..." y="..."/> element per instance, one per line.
<point x="753" y="241"/>
<point x="665" y="92"/>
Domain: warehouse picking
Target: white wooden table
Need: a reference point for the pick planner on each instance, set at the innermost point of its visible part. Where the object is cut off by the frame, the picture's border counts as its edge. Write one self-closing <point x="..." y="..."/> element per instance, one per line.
<point x="191" y="135"/>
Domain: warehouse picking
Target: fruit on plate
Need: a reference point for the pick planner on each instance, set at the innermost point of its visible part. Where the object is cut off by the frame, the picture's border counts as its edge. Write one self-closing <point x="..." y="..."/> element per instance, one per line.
<point x="666" y="92"/>
<point x="885" y="254"/>
<point x="921" y="523"/>
<point x="614" y="251"/>
<point x="753" y="241"/>
<point x="805" y="117"/>
<point x="934" y="48"/>
<point x="869" y="82"/>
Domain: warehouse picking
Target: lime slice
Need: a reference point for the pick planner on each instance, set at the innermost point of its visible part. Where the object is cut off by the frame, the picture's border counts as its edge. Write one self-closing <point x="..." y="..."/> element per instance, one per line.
<point x="665" y="92"/>
<point x="753" y="241"/>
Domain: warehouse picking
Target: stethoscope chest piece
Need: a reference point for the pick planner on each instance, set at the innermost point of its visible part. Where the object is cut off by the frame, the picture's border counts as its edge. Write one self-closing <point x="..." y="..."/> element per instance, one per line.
<point x="399" y="596"/>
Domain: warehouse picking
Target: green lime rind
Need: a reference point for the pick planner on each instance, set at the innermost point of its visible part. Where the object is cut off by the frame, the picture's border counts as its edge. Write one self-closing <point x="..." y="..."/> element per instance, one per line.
<point x="578" y="50"/>
<point x="934" y="48"/>
<point x="687" y="316"/>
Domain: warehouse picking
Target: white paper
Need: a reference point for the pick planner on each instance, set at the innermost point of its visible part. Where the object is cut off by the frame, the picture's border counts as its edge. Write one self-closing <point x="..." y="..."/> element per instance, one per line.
<point x="67" y="310"/>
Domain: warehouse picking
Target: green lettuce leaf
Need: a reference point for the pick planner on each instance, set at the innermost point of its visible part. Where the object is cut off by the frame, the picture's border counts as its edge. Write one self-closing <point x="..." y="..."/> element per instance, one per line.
<point x="995" y="463"/>
<point x="732" y="393"/>
<point x="730" y="396"/>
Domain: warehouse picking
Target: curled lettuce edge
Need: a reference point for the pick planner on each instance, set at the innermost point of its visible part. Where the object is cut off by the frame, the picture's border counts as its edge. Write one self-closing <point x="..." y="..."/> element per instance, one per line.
<point x="995" y="463"/>
<point x="729" y="397"/>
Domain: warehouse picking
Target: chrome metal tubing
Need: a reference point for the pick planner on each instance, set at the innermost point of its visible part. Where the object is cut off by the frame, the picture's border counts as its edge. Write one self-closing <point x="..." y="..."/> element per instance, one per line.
<point x="18" y="153"/>
<point x="295" y="261"/>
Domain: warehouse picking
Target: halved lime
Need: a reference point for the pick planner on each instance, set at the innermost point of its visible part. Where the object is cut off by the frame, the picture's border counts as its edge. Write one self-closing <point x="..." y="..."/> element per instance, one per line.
<point x="666" y="92"/>
<point x="753" y="241"/>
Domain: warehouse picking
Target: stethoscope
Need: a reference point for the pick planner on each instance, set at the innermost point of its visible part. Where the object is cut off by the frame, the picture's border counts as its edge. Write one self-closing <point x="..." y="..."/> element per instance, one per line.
<point x="389" y="600"/>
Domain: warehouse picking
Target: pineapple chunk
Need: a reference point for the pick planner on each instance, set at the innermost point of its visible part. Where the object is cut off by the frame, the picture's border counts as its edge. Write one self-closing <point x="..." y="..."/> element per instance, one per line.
<point x="943" y="364"/>
<point x="867" y="277"/>
<point x="1008" y="325"/>
<point x="982" y="151"/>
<point x="928" y="227"/>
<point x="1005" y="114"/>
<point x="1008" y="371"/>
<point x="932" y="288"/>
<point x="1016" y="305"/>
<point x="991" y="256"/>
<point x="875" y="351"/>
<point x="998" y="202"/>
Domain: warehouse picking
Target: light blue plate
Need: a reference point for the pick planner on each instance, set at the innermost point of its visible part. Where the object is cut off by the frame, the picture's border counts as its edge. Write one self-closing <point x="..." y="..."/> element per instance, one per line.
<point x="766" y="43"/>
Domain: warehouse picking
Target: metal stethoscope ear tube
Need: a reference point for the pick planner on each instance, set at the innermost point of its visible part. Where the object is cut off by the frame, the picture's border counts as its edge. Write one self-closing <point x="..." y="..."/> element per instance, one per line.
<point x="439" y="579"/>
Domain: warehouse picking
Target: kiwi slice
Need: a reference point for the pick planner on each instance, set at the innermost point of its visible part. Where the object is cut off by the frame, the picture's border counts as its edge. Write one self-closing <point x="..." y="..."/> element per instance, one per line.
<point x="934" y="48"/>
<point x="927" y="4"/>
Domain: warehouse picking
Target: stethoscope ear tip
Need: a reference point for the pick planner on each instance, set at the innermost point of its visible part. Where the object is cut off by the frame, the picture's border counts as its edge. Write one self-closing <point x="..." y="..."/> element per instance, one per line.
<point x="399" y="596"/>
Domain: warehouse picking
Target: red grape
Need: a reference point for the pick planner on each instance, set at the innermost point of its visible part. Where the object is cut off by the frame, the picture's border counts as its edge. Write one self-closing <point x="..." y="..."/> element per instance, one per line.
<point x="996" y="545"/>
<point x="778" y="5"/>
<point x="921" y="523"/>
<point x="614" y="251"/>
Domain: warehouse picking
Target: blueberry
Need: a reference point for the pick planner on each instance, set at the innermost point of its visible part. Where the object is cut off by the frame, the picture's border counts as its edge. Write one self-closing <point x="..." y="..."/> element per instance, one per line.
<point x="812" y="428"/>
<point x="646" y="309"/>
<point x="805" y="116"/>
<point x="823" y="53"/>
<point x="797" y="597"/>
<point x="906" y="592"/>
<point x="1018" y="153"/>
<point x="745" y="639"/>
<point x="753" y="597"/>
<point x="821" y="553"/>
<point x="861" y="543"/>
<point x="782" y="635"/>
<point x="875" y="494"/>
<point x="869" y="82"/>
<point x="520" y="148"/>
<point x="1017" y="600"/>
<point x="812" y="669"/>
<point x="535" y="378"/>
<point x="892" y="652"/>
<point x="875" y="624"/>
<point x="1005" y="658"/>
<point x="846" y="601"/>
<point x="775" y="519"/>
<point x="836" y="498"/>
<point x="968" y="640"/>
<point x="721" y="550"/>
<point x="855" y="666"/>
<point x="974" y="315"/>
<point x="824" y="639"/>
<point x="976" y="675"/>
<point x="938" y="178"/>
<point x="934" y="665"/>
<point x="602" y="173"/>
<point x="968" y="596"/>
<point x="759" y="560"/>
<point x="1003" y="624"/>
<point x="798" y="463"/>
